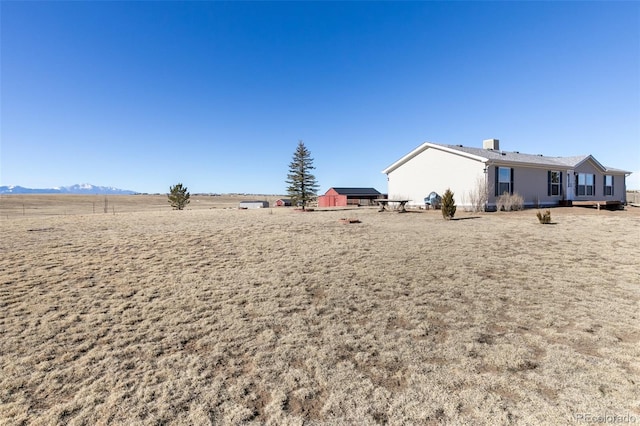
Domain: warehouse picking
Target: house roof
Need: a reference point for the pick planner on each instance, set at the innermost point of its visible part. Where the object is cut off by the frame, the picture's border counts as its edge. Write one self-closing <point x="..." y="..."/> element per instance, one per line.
<point x="356" y="191"/>
<point x="499" y="156"/>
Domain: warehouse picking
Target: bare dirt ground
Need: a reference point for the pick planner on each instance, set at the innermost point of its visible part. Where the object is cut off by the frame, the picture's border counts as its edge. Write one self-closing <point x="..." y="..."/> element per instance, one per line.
<point x="222" y="316"/>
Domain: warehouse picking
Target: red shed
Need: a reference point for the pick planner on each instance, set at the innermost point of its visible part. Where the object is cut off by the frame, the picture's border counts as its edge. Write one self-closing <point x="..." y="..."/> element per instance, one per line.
<point x="283" y="202"/>
<point x="343" y="197"/>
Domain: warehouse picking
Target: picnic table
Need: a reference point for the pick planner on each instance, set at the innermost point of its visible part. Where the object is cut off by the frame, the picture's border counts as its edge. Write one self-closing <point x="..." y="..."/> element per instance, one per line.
<point x="384" y="202"/>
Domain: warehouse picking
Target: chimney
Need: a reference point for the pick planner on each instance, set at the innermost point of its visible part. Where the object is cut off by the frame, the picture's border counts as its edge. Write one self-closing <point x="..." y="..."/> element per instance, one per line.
<point x="493" y="144"/>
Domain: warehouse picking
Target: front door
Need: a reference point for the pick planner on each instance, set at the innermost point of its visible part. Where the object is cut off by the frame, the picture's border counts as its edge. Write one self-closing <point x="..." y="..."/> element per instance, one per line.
<point x="569" y="190"/>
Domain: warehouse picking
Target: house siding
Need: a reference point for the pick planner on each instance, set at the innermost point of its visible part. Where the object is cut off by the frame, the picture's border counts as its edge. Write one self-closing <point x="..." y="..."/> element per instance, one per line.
<point x="531" y="183"/>
<point x="435" y="170"/>
<point x="619" y="186"/>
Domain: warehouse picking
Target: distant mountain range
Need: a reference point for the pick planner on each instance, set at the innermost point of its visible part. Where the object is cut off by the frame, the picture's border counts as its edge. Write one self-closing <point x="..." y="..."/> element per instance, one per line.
<point x="85" y="188"/>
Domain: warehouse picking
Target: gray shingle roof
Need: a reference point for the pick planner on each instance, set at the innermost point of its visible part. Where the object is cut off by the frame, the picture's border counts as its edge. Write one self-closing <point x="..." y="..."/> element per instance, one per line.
<point x="518" y="157"/>
<point x="499" y="156"/>
<point x="356" y="191"/>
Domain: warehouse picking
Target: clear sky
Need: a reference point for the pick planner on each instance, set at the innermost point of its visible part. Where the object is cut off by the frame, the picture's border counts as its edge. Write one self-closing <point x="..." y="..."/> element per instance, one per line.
<point x="143" y="95"/>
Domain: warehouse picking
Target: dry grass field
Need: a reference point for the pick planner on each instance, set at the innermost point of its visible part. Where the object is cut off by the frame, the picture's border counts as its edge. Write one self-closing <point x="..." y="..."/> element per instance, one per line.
<point x="145" y="315"/>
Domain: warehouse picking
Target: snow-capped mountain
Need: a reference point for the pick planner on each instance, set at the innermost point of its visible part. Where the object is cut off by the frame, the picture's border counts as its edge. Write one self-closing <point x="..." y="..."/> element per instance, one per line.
<point x="84" y="188"/>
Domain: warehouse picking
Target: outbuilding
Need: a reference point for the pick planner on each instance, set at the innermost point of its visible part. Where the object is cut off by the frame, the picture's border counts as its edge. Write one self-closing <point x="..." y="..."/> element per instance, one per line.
<point x="343" y="197"/>
<point x="254" y="204"/>
<point x="283" y="202"/>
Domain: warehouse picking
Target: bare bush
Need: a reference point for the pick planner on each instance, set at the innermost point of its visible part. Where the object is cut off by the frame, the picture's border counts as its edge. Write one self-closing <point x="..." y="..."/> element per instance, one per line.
<point x="544" y="218"/>
<point x="479" y="195"/>
<point x="517" y="202"/>
<point x="509" y="202"/>
<point x="502" y="203"/>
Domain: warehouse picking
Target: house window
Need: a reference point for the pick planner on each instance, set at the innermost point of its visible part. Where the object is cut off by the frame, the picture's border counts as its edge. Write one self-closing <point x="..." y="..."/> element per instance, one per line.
<point x="554" y="183"/>
<point x="608" y="185"/>
<point x="585" y="184"/>
<point x="505" y="180"/>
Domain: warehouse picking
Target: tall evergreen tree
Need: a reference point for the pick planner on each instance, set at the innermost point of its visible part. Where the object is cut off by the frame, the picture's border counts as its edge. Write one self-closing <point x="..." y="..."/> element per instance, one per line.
<point x="302" y="184"/>
<point x="178" y="196"/>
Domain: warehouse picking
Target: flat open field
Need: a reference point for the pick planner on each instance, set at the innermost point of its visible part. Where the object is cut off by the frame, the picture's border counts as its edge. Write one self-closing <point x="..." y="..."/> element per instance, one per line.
<point x="145" y="315"/>
<point x="12" y="206"/>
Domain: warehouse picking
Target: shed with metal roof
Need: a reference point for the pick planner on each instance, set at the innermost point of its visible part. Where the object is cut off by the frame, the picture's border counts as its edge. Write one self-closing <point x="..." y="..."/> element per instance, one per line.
<point x="252" y="204"/>
<point x="343" y="197"/>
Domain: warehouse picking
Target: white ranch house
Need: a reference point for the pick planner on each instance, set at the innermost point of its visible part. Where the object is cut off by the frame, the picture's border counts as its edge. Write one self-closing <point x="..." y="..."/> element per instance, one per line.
<point x="540" y="180"/>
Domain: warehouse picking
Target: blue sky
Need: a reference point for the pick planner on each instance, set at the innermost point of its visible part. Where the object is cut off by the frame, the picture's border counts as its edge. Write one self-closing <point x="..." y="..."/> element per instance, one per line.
<point x="216" y="95"/>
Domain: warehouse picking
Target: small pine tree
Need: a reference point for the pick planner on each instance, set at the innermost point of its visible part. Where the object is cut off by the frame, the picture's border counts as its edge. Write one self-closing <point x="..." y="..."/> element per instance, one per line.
<point x="302" y="184"/>
<point x="448" y="205"/>
<point x="178" y="196"/>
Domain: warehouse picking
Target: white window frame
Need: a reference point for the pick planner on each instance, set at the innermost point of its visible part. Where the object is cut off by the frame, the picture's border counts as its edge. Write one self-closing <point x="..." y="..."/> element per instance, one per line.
<point x="501" y="181"/>
<point x="586" y="185"/>
<point x="555" y="183"/>
<point x="608" y="186"/>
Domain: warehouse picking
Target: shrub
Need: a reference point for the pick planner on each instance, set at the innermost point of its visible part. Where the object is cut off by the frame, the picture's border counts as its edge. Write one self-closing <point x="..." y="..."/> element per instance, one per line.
<point x="508" y="202"/>
<point x="178" y="196"/>
<point x="544" y="218"/>
<point x="517" y="202"/>
<point x="448" y="205"/>
<point x="479" y="195"/>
